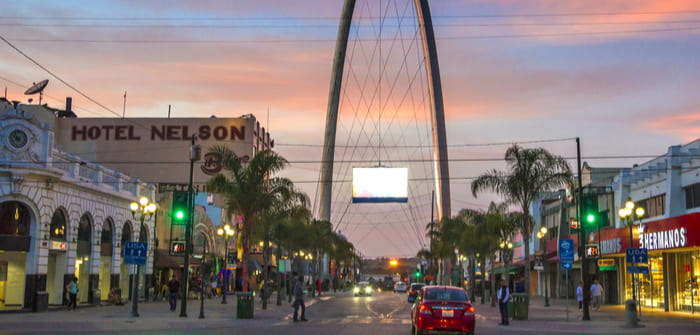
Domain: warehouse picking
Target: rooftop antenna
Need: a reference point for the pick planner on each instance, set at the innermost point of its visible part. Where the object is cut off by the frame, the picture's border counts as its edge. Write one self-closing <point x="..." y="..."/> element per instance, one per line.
<point x="168" y="111"/>
<point x="124" y="108"/>
<point x="37" y="88"/>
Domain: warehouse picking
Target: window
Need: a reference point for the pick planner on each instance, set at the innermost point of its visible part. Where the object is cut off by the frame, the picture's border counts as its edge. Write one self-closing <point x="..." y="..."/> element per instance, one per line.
<point x="692" y="196"/>
<point x="58" y="227"/>
<point x="446" y="294"/>
<point x="654" y="206"/>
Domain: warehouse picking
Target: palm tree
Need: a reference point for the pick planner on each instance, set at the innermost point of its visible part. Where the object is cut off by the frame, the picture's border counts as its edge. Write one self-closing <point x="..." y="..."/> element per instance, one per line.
<point x="250" y="190"/>
<point x="499" y="226"/>
<point x="271" y="219"/>
<point x="282" y="233"/>
<point x="319" y="240"/>
<point x="529" y="173"/>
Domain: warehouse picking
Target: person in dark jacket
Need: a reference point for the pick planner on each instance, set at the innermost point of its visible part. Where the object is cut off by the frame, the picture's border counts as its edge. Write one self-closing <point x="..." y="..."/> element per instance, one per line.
<point x="299" y="301"/>
<point x="174" y="287"/>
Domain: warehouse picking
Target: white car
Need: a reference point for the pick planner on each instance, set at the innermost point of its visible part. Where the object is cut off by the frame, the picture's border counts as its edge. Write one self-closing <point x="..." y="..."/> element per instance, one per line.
<point x="400" y="287"/>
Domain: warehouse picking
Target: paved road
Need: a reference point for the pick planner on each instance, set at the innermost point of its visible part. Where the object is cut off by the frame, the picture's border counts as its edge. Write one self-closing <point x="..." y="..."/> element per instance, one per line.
<point x="340" y="314"/>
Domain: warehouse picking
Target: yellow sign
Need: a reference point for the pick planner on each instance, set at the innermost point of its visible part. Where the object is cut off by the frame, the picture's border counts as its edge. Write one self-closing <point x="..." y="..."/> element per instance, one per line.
<point x="603" y="262"/>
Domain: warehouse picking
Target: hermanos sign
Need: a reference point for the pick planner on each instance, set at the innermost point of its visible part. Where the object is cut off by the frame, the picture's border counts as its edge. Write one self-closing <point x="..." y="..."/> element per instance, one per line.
<point x="156" y="150"/>
<point x="671" y="233"/>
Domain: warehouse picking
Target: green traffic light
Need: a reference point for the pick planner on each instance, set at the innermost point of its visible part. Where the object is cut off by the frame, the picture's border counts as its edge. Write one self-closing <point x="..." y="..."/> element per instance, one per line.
<point x="590" y="218"/>
<point x="417" y="274"/>
<point x="179" y="215"/>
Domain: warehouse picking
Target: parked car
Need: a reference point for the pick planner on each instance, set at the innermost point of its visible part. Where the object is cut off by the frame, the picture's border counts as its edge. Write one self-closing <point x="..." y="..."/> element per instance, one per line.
<point x="362" y="288"/>
<point x="400" y="287"/>
<point x="413" y="291"/>
<point x="441" y="308"/>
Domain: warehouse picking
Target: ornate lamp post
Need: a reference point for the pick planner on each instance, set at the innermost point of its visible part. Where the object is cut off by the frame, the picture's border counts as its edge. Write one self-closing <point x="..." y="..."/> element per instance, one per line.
<point x="542" y="234"/>
<point x="227" y="233"/>
<point x="625" y="214"/>
<point x="145" y="210"/>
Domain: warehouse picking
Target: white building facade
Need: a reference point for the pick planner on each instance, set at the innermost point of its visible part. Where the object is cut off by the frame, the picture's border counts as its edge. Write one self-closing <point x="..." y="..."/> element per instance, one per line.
<point x="61" y="217"/>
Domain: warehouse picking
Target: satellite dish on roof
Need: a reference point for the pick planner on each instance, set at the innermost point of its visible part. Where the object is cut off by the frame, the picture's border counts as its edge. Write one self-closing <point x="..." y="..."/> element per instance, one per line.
<point x="37" y="88"/>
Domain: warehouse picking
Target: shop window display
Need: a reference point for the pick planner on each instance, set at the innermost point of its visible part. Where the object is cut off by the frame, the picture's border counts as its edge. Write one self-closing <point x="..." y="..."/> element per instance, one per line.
<point x="688" y="281"/>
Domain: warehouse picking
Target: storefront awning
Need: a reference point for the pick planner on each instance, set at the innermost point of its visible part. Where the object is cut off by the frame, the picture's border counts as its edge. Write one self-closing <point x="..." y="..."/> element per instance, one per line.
<point x="165" y="260"/>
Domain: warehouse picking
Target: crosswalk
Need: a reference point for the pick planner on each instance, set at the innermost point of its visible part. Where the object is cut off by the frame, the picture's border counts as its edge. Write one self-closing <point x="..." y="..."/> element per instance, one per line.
<point x="353" y="320"/>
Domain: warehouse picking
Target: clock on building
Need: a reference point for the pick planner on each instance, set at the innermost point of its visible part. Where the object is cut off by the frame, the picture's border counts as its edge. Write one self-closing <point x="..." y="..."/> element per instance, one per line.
<point x="18" y="139"/>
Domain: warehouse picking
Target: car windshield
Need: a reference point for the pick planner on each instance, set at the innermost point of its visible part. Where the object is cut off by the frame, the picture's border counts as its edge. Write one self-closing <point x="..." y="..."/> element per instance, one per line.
<point x="445" y="294"/>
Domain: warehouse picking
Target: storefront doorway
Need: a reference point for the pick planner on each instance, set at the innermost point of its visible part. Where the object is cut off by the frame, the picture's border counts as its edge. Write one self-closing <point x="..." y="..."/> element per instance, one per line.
<point x="56" y="266"/>
<point x="15" y="222"/>
<point x="106" y="252"/>
<point x="124" y="269"/>
<point x="82" y="257"/>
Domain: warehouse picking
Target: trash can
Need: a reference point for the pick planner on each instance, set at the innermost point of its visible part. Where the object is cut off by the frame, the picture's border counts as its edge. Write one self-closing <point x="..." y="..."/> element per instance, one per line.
<point x="244" y="305"/>
<point x="521" y="302"/>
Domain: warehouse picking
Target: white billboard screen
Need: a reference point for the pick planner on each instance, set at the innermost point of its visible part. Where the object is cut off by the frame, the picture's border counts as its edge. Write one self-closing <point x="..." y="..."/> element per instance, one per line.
<point x="379" y="184"/>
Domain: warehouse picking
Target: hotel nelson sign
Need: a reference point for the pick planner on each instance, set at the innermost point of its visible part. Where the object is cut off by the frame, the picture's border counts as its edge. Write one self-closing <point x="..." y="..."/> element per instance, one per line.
<point x="155" y="150"/>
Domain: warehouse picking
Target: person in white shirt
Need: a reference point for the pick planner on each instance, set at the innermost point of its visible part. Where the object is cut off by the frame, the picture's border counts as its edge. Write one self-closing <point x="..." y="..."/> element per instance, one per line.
<point x="579" y="295"/>
<point x="597" y="292"/>
<point x="503" y="297"/>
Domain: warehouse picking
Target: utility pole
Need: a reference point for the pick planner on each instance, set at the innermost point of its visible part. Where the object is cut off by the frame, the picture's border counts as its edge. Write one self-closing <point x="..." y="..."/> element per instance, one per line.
<point x="582" y="237"/>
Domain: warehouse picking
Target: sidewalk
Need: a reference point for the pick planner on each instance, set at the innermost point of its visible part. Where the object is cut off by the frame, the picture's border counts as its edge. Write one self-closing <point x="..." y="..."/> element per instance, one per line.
<point x="610" y="318"/>
<point x="153" y="315"/>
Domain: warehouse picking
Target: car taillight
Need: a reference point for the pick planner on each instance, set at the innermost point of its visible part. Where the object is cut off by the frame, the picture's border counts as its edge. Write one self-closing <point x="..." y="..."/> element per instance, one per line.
<point x="411" y="291"/>
<point x="470" y="310"/>
<point x="425" y="310"/>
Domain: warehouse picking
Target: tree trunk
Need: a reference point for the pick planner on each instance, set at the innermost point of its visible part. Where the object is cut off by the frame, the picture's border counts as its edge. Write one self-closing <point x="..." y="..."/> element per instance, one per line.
<point x="483" y="278"/>
<point x="492" y="257"/>
<point x="472" y="276"/>
<point x="526" y="229"/>
<point x="244" y="245"/>
<point x="526" y="242"/>
<point x="266" y="271"/>
<point x="278" y="252"/>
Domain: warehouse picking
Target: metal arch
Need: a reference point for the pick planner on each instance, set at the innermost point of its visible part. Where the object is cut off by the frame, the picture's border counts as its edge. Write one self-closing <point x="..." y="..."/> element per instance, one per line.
<point x="442" y="178"/>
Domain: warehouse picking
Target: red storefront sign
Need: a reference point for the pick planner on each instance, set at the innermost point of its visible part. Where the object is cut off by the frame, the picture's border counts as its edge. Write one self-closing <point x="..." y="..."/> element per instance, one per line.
<point x="672" y="233"/>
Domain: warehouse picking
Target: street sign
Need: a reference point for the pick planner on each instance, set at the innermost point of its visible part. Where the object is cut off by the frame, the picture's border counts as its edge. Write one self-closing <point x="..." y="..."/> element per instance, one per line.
<point x="135" y="253"/>
<point x="637" y="269"/>
<point x="637" y="255"/>
<point x="606" y="262"/>
<point x="566" y="250"/>
<point x="573" y="223"/>
<point x="566" y="265"/>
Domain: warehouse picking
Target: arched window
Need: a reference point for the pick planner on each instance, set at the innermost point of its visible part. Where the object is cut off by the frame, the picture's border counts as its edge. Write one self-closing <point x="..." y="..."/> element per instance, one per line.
<point x="107" y="232"/>
<point x="143" y="236"/>
<point x="126" y="236"/>
<point x="85" y="228"/>
<point x="14" y="218"/>
<point x="58" y="226"/>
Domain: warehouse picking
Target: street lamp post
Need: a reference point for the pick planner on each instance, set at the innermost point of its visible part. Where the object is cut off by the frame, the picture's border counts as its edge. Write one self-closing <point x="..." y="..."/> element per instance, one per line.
<point x="505" y="245"/>
<point x="625" y="214"/>
<point x="145" y="208"/>
<point x="542" y="235"/>
<point x="227" y="233"/>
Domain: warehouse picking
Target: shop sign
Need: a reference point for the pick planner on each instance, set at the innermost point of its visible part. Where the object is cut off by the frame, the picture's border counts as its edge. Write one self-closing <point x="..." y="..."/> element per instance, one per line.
<point x="665" y="239"/>
<point x="613" y="246"/>
<point x="606" y="262"/>
<point x="57" y="245"/>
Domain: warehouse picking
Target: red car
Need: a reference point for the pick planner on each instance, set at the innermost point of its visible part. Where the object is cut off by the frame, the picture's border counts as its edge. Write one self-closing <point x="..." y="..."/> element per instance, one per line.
<point x="442" y="309"/>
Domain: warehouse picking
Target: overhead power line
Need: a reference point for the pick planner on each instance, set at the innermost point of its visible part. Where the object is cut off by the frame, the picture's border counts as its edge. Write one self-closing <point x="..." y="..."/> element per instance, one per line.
<point x="57" y="77"/>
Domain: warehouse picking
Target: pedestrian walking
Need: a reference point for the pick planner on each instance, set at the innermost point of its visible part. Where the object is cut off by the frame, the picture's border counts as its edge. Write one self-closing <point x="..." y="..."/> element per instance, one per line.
<point x="503" y="297"/>
<point x="597" y="292"/>
<point x="579" y="295"/>
<point x="299" y="301"/>
<point x="174" y="287"/>
<point x="72" y="289"/>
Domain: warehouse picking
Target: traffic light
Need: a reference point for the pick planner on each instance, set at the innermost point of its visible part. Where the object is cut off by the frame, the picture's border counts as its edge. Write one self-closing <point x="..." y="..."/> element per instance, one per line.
<point x="590" y="212"/>
<point x="179" y="208"/>
<point x="417" y="273"/>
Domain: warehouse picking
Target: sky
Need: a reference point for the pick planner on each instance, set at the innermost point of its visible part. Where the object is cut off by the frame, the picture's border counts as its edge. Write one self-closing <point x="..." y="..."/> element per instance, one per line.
<point x="621" y="75"/>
